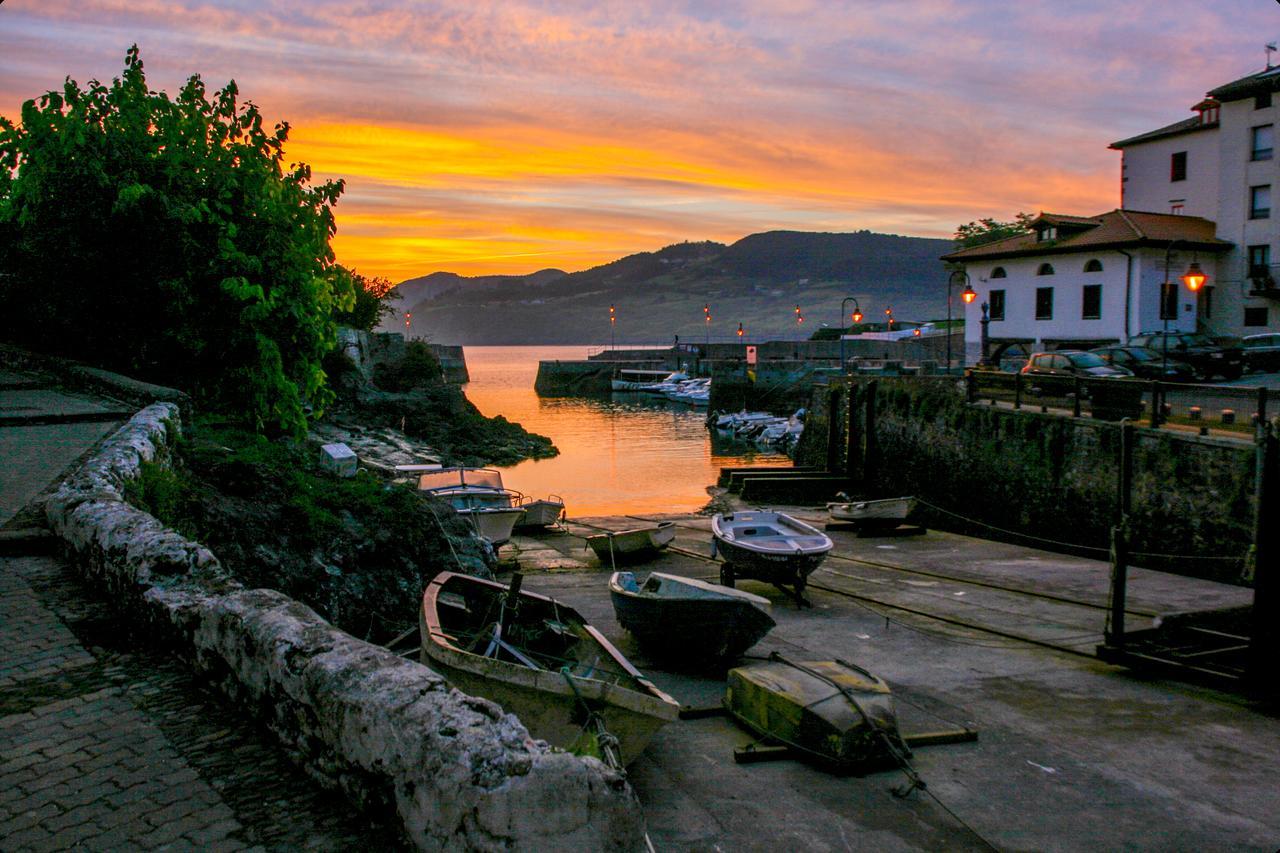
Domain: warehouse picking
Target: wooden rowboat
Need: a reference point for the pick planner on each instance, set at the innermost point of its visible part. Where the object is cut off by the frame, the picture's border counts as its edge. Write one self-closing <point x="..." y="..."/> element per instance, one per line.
<point x="768" y="546"/>
<point x="689" y="623"/>
<point x="888" y="512"/>
<point x="634" y="544"/>
<point x="539" y="659"/>
<point x="832" y="712"/>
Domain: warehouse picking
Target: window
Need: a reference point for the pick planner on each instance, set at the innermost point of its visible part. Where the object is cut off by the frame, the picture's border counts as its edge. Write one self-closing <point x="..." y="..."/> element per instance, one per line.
<point x="1178" y="166"/>
<point x="1169" y="300"/>
<point x="1260" y="202"/>
<point x="1255" y="316"/>
<point x="995" y="305"/>
<point x="1261" y="137"/>
<point x="998" y="272"/>
<point x="1259" y="261"/>
<point x="1176" y="206"/>
<point x="1045" y="269"/>
<point x="1262" y="100"/>
<point x="1092" y="302"/>
<point x="1044" y="303"/>
<point x="1094" y="265"/>
<point x="1049" y="232"/>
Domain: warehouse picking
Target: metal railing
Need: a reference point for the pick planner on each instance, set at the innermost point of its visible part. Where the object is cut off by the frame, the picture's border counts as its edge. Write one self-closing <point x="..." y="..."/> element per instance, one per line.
<point x="1226" y="408"/>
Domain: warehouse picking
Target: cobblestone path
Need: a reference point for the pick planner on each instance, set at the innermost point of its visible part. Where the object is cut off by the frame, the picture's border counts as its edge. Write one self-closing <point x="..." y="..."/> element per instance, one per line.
<point x="106" y="747"/>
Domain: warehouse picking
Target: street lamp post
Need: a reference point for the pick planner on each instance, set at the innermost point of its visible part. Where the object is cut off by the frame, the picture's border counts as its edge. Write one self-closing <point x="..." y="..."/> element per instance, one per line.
<point x="706" y="316"/>
<point x="856" y="317"/>
<point x="968" y="295"/>
<point x="1194" y="278"/>
<point x="613" y="321"/>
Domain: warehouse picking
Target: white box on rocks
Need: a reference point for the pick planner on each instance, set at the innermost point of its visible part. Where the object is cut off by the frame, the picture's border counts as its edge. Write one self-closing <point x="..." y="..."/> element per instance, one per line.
<point x="338" y="459"/>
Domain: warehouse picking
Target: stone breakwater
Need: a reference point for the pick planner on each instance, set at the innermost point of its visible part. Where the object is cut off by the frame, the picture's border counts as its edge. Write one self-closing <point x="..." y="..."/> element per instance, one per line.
<point x="457" y="771"/>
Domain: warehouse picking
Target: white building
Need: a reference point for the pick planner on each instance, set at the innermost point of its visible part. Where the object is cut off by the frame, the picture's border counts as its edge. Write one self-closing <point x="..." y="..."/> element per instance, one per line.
<point x="1198" y="190"/>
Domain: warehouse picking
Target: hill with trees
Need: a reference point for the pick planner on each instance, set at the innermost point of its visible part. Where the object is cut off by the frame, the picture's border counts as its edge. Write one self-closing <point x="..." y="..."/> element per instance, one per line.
<point x="757" y="281"/>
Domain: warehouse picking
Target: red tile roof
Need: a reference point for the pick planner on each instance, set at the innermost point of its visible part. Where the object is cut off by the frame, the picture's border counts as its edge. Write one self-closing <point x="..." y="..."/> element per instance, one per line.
<point x="1113" y="230"/>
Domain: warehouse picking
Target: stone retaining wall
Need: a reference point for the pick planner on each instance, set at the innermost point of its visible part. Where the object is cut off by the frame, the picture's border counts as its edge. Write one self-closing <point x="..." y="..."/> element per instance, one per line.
<point x="458" y="772"/>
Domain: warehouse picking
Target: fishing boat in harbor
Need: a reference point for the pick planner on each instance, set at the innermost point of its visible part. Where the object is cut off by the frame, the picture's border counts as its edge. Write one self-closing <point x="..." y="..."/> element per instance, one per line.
<point x="768" y="546"/>
<point x="688" y="622"/>
<point x="832" y="712"/>
<point x="887" y="512"/>
<point x="633" y="544"/>
<point x="646" y="381"/>
<point x="539" y="659"/>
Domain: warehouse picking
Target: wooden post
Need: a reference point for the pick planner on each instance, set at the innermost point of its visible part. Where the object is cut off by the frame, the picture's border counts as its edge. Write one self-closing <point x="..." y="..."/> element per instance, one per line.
<point x="870" y="462"/>
<point x="1262" y="411"/>
<point x="1156" y="404"/>
<point x="1075" y="408"/>
<point x="1017" y="390"/>
<point x="833" y="430"/>
<point x="1264" y="641"/>
<point x="1120" y="536"/>
<point x="853" y="441"/>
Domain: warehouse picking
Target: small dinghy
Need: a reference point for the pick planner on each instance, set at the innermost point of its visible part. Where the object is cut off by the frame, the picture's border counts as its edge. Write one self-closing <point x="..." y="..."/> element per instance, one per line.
<point x="834" y="713"/>
<point x="632" y="545"/>
<point x="688" y="622"/>
<point x="888" y="512"/>
<point x="539" y="512"/>
<point x="768" y="546"/>
<point x="540" y="660"/>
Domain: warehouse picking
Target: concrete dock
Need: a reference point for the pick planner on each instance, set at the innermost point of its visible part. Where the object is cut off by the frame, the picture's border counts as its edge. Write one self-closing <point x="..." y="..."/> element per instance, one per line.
<point x="1073" y="754"/>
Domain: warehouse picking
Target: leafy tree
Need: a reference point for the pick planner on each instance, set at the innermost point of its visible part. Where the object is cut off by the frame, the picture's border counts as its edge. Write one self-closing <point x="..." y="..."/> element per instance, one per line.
<point x="373" y="298"/>
<point x="165" y="237"/>
<point x="990" y="230"/>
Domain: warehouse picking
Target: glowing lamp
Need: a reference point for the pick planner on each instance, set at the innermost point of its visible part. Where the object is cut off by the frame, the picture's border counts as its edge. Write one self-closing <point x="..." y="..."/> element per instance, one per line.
<point x="968" y="294"/>
<point x="1195" y="277"/>
<point x="915" y="333"/>
<point x="857" y="316"/>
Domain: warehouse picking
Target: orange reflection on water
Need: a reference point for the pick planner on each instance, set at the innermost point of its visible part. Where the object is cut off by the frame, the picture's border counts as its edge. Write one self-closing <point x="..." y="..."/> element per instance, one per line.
<point x="632" y="456"/>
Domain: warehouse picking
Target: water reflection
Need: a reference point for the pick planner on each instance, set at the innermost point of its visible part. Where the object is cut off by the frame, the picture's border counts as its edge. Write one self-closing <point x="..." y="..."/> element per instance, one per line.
<point x="623" y="454"/>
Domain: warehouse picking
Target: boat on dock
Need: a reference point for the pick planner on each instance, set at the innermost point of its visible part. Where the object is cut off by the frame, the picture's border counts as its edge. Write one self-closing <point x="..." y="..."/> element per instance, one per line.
<point x="886" y="512"/>
<point x="687" y="621"/>
<point x="834" y="713"/>
<point x="768" y="546"/>
<point x="539" y="512"/>
<point x="633" y="544"/>
<point x="476" y="494"/>
<point x="539" y="659"/>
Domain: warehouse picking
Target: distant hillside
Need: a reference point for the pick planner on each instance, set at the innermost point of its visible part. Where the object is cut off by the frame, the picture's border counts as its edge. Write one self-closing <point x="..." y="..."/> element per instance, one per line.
<point x="756" y="281"/>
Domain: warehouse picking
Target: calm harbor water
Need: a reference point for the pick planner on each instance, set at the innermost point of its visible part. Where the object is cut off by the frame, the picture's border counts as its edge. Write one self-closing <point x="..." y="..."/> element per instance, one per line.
<point x="632" y="455"/>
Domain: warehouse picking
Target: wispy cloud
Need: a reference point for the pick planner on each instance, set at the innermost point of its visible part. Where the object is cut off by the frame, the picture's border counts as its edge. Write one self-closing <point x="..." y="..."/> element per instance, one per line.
<point x="510" y="136"/>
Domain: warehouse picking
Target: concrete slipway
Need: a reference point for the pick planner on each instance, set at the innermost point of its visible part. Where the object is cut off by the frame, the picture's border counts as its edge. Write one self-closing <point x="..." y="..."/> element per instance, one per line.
<point x="1073" y="754"/>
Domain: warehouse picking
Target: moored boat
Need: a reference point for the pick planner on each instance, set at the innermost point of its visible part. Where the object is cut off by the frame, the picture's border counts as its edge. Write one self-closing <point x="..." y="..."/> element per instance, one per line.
<point x="768" y="546"/>
<point x="477" y="494"/>
<point x="633" y="544"/>
<point x="832" y="712"/>
<point x="688" y="622"/>
<point x="539" y="659"/>
<point x="540" y="512"/>
<point x="886" y="512"/>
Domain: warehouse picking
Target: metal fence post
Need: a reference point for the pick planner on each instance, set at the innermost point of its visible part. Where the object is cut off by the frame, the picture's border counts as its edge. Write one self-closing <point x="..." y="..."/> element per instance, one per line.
<point x="1017" y="390"/>
<point x="1156" y="404"/>
<point x="1264" y="641"/>
<point x="1075" y="407"/>
<point x="1120" y="536"/>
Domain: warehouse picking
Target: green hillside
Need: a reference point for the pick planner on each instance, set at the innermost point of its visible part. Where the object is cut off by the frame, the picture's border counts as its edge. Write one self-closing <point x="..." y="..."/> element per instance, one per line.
<point x="757" y="281"/>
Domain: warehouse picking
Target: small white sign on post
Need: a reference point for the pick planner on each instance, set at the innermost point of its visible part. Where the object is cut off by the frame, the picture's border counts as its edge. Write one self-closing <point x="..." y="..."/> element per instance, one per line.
<point x="751" y="355"/>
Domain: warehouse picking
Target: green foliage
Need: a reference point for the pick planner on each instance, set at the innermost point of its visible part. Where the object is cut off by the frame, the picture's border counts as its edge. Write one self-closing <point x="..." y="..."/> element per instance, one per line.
<point x="164" y="494"/>
<point x="418" y="369"/>
<point x="372" y="298"/>
<point x="165" y="237"/>
<point x="990" y="230"/>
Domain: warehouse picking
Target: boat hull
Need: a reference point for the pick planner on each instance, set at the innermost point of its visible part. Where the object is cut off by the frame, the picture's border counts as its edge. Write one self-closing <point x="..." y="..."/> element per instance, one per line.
<point x="551" y="706"/>
<point x="832" y="712"/>
<point x="889" y="512"/>
<point x="631" y="546"/>
<point x="768" y="546"/>
<point x="690" y="633"/>
<point x="493" y="524"/>
<point x="540" y="513"/>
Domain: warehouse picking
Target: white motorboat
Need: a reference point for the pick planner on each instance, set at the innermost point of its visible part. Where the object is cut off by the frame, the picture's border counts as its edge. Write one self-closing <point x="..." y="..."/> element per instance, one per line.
<point x="694" y="392"/>
<point x="646" y="381"/>
<point x="477" y="494"/>
<point x="768" y="546"/>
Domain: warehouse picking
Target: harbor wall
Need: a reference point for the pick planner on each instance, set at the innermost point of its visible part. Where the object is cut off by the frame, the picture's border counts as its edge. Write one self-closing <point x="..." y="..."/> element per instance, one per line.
<point x="1011" y="474"/>
<point x="456" y="771"/>
<point x="573" y="378"/>
<point x="368" y="350"/>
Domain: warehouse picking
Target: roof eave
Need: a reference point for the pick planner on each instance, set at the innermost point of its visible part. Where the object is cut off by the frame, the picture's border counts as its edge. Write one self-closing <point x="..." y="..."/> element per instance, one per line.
<point x="1213" y="245"/>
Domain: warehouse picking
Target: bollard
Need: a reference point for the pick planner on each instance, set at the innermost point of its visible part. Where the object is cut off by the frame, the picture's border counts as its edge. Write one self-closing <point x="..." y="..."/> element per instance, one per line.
<point x="1228" y="416"/>
<point x="1194" y="413"/>
<point x="1204" y="430"/>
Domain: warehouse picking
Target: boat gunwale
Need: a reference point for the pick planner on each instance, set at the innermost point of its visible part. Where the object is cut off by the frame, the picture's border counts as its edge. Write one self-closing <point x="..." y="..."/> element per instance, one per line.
<point x="718" y="532"/>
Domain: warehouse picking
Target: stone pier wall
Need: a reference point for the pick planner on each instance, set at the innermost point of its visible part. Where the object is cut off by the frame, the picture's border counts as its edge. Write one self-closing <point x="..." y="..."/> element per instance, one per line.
<point x="457" y="771"/>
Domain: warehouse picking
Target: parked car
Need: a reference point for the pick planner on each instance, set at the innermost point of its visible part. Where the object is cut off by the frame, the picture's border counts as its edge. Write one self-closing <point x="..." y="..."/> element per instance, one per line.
<point x="1069" y="363"/>
<point x="1146" y="363"/>
<point x="1208" y="358"/>
<point x="1262" y="352"/>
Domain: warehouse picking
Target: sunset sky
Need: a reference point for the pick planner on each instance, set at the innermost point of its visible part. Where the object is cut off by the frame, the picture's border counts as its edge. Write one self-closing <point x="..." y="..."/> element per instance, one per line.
<point x="510" y="137"/>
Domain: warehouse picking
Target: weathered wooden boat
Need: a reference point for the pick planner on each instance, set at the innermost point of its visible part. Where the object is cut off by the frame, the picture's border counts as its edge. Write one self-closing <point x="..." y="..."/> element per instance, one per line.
<point x="686" y="621"/>
<point x="540" y="512"/>
<point x="539" y="659"/>
<point x="833" y="712"/>
<point x="768" y="546"/>
<point x="633" y="544"/>
<point x="887" y="512"/>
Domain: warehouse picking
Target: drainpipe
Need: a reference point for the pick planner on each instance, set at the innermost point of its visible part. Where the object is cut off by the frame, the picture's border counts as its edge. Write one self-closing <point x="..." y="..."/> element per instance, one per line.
<point x="1128" y="291"/>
